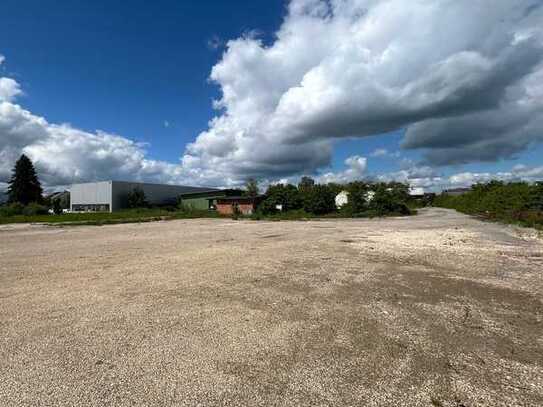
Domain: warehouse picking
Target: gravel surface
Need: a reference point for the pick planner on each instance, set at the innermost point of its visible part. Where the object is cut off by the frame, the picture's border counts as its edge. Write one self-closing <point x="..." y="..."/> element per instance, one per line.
<point x="434" y="310"/>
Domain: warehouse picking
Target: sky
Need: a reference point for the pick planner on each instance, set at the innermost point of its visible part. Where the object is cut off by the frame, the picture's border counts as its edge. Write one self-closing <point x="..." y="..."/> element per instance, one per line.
<point x="438" y="94"/>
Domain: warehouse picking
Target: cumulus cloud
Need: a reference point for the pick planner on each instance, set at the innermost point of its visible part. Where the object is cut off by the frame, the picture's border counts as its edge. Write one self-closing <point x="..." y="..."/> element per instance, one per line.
<point x="484" y="136"/>
<point x="418" y="177"/>
<point x="464" y="78"/>
<point x="64" y="154"/>
<point x="383" y="152"/>
<point x="356" y="169"/>
<point x="517" y="173"/>
<point x="428" y="179"/>
<point x="442" y="69"/>
<point x="9" y="89"/>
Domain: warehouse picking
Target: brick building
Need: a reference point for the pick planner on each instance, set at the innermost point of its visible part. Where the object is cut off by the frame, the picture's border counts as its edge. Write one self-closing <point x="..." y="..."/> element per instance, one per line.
<point x="245" y="204"/>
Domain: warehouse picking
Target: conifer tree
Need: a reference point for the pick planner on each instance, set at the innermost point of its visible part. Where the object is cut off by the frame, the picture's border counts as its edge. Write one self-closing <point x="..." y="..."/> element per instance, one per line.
<point x="24" y="186"/>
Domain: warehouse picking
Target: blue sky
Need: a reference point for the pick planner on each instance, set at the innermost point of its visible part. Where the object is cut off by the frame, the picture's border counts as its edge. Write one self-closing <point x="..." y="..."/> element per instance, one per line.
<point x="127" y="70"/>
<point x="298" y="96"/>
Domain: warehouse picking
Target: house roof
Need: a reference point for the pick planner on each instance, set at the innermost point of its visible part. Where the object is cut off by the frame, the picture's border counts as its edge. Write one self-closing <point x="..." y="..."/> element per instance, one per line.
<point x="240" y="198"/>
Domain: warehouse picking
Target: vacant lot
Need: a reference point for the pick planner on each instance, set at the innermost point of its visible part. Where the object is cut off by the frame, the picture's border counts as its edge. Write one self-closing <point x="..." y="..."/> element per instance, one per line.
<point x="438" y="309"/>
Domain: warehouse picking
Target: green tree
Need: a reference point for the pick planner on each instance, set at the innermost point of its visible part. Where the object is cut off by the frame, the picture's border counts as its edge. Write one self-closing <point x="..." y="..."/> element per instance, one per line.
<point x="251" y="187"/>
<point x="358" y="197"/>
<point x="24" y="186"/>
<point x="137" y="199"/>
<point x="286" y="195"/>
<point x="305" y="185"/>
<point x="536" y="197"/>
<point x="390" y="198"/>
<point x="320" y="200"/>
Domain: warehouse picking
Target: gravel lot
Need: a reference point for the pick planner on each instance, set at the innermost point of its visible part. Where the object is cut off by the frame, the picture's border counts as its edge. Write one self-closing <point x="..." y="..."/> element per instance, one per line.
<point x="433" y="310"/>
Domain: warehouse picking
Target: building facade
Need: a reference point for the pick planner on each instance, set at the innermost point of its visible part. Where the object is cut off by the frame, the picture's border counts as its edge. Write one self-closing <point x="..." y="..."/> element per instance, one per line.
<point x="110" y="196"/>
<point x="206" y="200"/>
<point x="245" y="205"/>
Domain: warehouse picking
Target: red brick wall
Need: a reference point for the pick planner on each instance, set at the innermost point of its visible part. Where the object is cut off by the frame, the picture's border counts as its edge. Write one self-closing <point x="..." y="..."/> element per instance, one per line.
<point x="226" y="208"/>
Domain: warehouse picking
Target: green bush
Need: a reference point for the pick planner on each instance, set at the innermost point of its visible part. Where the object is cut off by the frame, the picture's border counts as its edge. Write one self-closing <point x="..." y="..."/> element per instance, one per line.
<point x="509" y="202"/>
<point x="33" y="209"/>
<point x="320" y="200"/>
<point x="11" y="209"/>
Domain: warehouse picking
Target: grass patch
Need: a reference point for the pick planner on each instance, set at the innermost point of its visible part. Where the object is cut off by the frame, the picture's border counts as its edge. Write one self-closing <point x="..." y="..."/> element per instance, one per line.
<point x="106" y="218"/>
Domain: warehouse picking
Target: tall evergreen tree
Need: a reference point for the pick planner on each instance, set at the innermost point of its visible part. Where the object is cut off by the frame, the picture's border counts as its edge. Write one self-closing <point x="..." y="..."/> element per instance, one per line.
<point x="24" y="186"/>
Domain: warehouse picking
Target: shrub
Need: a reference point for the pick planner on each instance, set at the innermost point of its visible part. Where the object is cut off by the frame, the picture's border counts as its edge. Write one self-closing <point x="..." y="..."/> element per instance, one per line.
<point x="33" y="209"/>
<point x="12" y="209"/>
<point x="510" y="202"/>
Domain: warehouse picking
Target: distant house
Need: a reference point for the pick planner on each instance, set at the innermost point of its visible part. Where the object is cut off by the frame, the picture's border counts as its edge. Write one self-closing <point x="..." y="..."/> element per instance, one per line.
<point x="245" y="204"/>
<point x="456" y="191"/>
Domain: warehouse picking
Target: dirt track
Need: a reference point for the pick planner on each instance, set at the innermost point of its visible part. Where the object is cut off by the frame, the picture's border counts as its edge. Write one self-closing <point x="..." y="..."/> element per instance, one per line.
<point x="437" y="309"/>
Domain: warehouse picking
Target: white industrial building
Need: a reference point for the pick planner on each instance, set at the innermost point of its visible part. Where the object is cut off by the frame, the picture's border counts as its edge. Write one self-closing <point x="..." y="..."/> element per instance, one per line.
<point x="109" y="196"/>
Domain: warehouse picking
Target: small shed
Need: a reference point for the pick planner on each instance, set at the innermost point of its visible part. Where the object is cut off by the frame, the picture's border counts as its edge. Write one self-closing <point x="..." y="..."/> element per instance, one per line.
<point x="246" y="204"/>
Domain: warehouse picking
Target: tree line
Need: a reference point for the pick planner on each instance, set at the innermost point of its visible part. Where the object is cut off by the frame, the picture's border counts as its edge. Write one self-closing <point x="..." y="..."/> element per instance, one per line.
<point x="512" y="202"/>
<point x="363" y="198"/>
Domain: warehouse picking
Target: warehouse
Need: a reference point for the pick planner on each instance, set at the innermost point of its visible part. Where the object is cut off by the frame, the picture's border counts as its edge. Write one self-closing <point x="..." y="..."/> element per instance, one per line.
<point x="109" y="196"/>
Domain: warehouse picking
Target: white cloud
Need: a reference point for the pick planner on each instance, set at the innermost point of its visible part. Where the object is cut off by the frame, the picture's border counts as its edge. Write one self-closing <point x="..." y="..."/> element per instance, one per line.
<point x="379" y="152"/>
<point x="418" y="177"/>
<point x="463" y="77"/>
<point x="356" y="169"/>
<point x="377" y="66"/>
<point x="517" y="173"/>
<point x="383" y="152"/>
<point x="9" y="89"/>
<point x="64" y="154"/>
